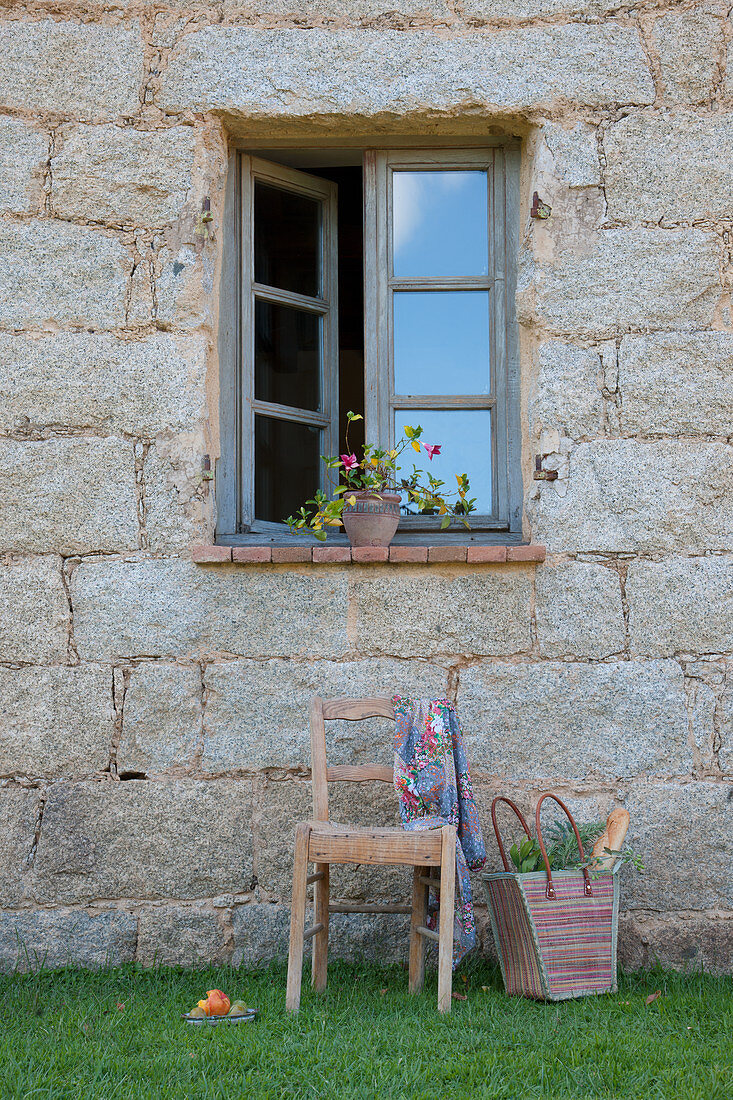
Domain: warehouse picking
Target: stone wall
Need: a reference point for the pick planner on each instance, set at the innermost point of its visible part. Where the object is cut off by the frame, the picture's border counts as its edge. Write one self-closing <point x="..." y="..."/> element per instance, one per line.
<point x="153" y="738"/>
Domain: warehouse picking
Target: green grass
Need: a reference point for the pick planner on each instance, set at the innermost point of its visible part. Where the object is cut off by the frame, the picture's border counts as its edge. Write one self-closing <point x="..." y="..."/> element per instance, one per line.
<point x="63" y="1035"/>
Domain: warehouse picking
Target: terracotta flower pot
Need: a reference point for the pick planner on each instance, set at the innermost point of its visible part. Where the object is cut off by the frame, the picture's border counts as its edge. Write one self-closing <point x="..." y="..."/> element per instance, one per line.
<point x="372" y="519"/>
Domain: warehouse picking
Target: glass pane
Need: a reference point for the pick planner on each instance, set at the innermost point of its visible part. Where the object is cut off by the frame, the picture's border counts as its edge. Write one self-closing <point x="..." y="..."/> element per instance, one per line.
<point x="287" y="240"/>
<point x="464" y="436"/>
<point x="287" y="356"/>
<point x="287" y="461"/>
<point x="441" y="341"/>
<point x="440" y="223"/>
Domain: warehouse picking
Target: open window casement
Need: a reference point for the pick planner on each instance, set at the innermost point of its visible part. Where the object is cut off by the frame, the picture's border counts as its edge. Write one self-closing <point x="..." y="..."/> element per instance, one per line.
<point x="428" y="274"/>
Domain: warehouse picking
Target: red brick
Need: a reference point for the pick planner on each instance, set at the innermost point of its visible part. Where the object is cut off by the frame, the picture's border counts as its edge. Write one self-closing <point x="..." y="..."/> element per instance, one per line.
<point x="480" y="554"/>
<point x="203" y="554"/>
<point x="408" y="553"/>
<point x="249" y="555"/>
<point x="446" y="553"/>
<point x="292" y="553"/>
<point x="369" y="553"/>
<point x="526" y="553"/>
<point x="331" y="554"/>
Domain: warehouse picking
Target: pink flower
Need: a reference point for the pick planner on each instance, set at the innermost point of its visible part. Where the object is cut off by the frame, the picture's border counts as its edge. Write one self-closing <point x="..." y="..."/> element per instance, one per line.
<point x="349" y="462"/>
<point x="432" y="449"/>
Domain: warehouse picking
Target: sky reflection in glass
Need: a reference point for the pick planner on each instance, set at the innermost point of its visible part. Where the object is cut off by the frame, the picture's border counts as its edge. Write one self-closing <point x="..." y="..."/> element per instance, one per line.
<point x="441" y="341"/>
<point x="465" y="439"/>
<point x="440" y="223"/>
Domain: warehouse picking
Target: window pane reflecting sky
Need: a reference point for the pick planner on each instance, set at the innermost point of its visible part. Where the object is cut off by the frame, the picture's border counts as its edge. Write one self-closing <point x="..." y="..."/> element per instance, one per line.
<point x="440" y="224"/>
<point x="441" y="341"/>
<point x="465" y="439"/>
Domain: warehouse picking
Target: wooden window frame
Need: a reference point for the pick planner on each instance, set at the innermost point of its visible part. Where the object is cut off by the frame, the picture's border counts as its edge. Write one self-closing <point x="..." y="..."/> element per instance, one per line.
<point x="235" y="493"/>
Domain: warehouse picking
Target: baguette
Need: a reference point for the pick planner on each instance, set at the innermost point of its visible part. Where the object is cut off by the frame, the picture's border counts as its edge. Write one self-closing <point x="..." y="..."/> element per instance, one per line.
<point x="612" y="837"/>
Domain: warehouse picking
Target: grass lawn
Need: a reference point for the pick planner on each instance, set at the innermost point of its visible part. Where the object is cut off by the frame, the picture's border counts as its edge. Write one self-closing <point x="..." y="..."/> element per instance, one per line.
<point x="117" y="1033"/>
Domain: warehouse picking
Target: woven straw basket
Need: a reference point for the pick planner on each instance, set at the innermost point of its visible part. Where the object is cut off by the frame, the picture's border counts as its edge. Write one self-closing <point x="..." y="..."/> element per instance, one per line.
<point x="556" y="934"/>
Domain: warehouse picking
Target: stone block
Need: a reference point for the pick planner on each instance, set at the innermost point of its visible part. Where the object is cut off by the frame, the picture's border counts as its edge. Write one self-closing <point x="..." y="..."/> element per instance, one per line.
<point x="178" y="935"/>
<point x="567" y="722"/>
<point x="19" y="810"/>
<point x="46" y="939"/>
<point x="79" y="380"/>
<point x="178" y="504"/>
<point x="280" y="805"/>
<point x="567" y="395"/>
<point x="680" y="605"/>
<point x="23" y="153"/>
<point x="687" y="44"/>
<point x="688" y="941"/>
<point x="248" y="72"/>
<point x="677" y="383"/>
<point x="185" y="281"/>
<point x="122" y="176"/>
<point x="622" y="279"/>
<point x="680" y="832"/>
<point x="69" y="496"/>
<point x="177" y="608"/>
<point x="622" y="495"/>
<point x="342" y="12"/>
<point x="77" y="70"/>
<point x="275" y="696"/>
<point x="55" y="721"/>
<point x="511" y="10"/>
<point x="419" y="613"/>
<point x="261" y="934"/>
<point x="161" y="723"/>
<point x="574" y="151"/>
<point x="143" y="839"/>
<point x="56" y="273"/>
<point x="669" y="167"/>
<point x="579" y="611"/>
<point x="34" y="611"/>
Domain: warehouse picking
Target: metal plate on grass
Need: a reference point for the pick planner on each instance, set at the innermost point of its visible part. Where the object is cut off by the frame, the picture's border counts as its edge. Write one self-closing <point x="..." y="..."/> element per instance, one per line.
<point x="244" y="1018"/>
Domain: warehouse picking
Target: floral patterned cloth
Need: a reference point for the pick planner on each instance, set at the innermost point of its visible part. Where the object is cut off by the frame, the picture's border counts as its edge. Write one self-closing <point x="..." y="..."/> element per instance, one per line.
<point x="434" y="786"/>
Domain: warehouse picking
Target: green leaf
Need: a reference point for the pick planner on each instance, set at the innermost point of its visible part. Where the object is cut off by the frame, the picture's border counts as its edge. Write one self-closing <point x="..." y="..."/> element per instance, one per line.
<point x="445" y="523"/>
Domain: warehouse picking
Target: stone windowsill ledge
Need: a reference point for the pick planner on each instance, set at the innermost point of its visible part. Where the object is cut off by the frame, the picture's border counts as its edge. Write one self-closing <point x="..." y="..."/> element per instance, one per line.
<point x="346" y="555"/>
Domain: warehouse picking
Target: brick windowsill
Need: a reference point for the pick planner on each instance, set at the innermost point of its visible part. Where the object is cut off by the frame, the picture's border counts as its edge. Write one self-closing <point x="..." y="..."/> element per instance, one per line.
<point x="346" y="555"/>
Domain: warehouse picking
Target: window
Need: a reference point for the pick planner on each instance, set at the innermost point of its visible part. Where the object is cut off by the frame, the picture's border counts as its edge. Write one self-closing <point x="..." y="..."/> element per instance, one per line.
<point x="379" y="281"/>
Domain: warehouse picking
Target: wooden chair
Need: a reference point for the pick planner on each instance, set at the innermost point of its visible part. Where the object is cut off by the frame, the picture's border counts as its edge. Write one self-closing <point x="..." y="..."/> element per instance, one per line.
<point x="324" y="842"/>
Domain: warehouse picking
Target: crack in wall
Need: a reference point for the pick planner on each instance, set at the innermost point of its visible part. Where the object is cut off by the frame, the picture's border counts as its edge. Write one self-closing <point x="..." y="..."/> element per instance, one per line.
<point x="120" y="684"/>
<point x="31" y="857"/>
<point x="67" y="568"/>
<point x="140" y="451"/>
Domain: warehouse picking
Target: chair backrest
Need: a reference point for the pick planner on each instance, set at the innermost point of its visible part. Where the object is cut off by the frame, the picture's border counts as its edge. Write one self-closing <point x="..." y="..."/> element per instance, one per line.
<point x="349" y="710"/>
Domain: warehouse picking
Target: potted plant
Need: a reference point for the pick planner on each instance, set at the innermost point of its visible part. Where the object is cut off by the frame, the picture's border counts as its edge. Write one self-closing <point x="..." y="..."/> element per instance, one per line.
<point x="367" y="493"/>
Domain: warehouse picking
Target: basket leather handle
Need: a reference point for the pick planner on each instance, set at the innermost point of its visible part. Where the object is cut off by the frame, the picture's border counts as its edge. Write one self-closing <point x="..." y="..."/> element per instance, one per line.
<point x="518" y="812"/>
<point x="550" y="889"/>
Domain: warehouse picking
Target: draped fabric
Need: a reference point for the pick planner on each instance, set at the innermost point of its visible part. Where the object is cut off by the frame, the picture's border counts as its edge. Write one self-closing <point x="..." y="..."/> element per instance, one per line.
<point x="432" y="780"/>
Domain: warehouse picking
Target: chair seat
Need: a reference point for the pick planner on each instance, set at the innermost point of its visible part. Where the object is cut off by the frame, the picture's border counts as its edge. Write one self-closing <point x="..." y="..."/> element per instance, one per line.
<point x="332" y="842"/>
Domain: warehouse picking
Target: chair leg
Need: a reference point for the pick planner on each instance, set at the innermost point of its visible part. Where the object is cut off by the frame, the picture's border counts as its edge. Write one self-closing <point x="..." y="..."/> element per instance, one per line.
<point x="447" y="900"/>
<point x="417" y="942"/>
<point x="319" y="971"/>
<point x="297" y="917"/>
